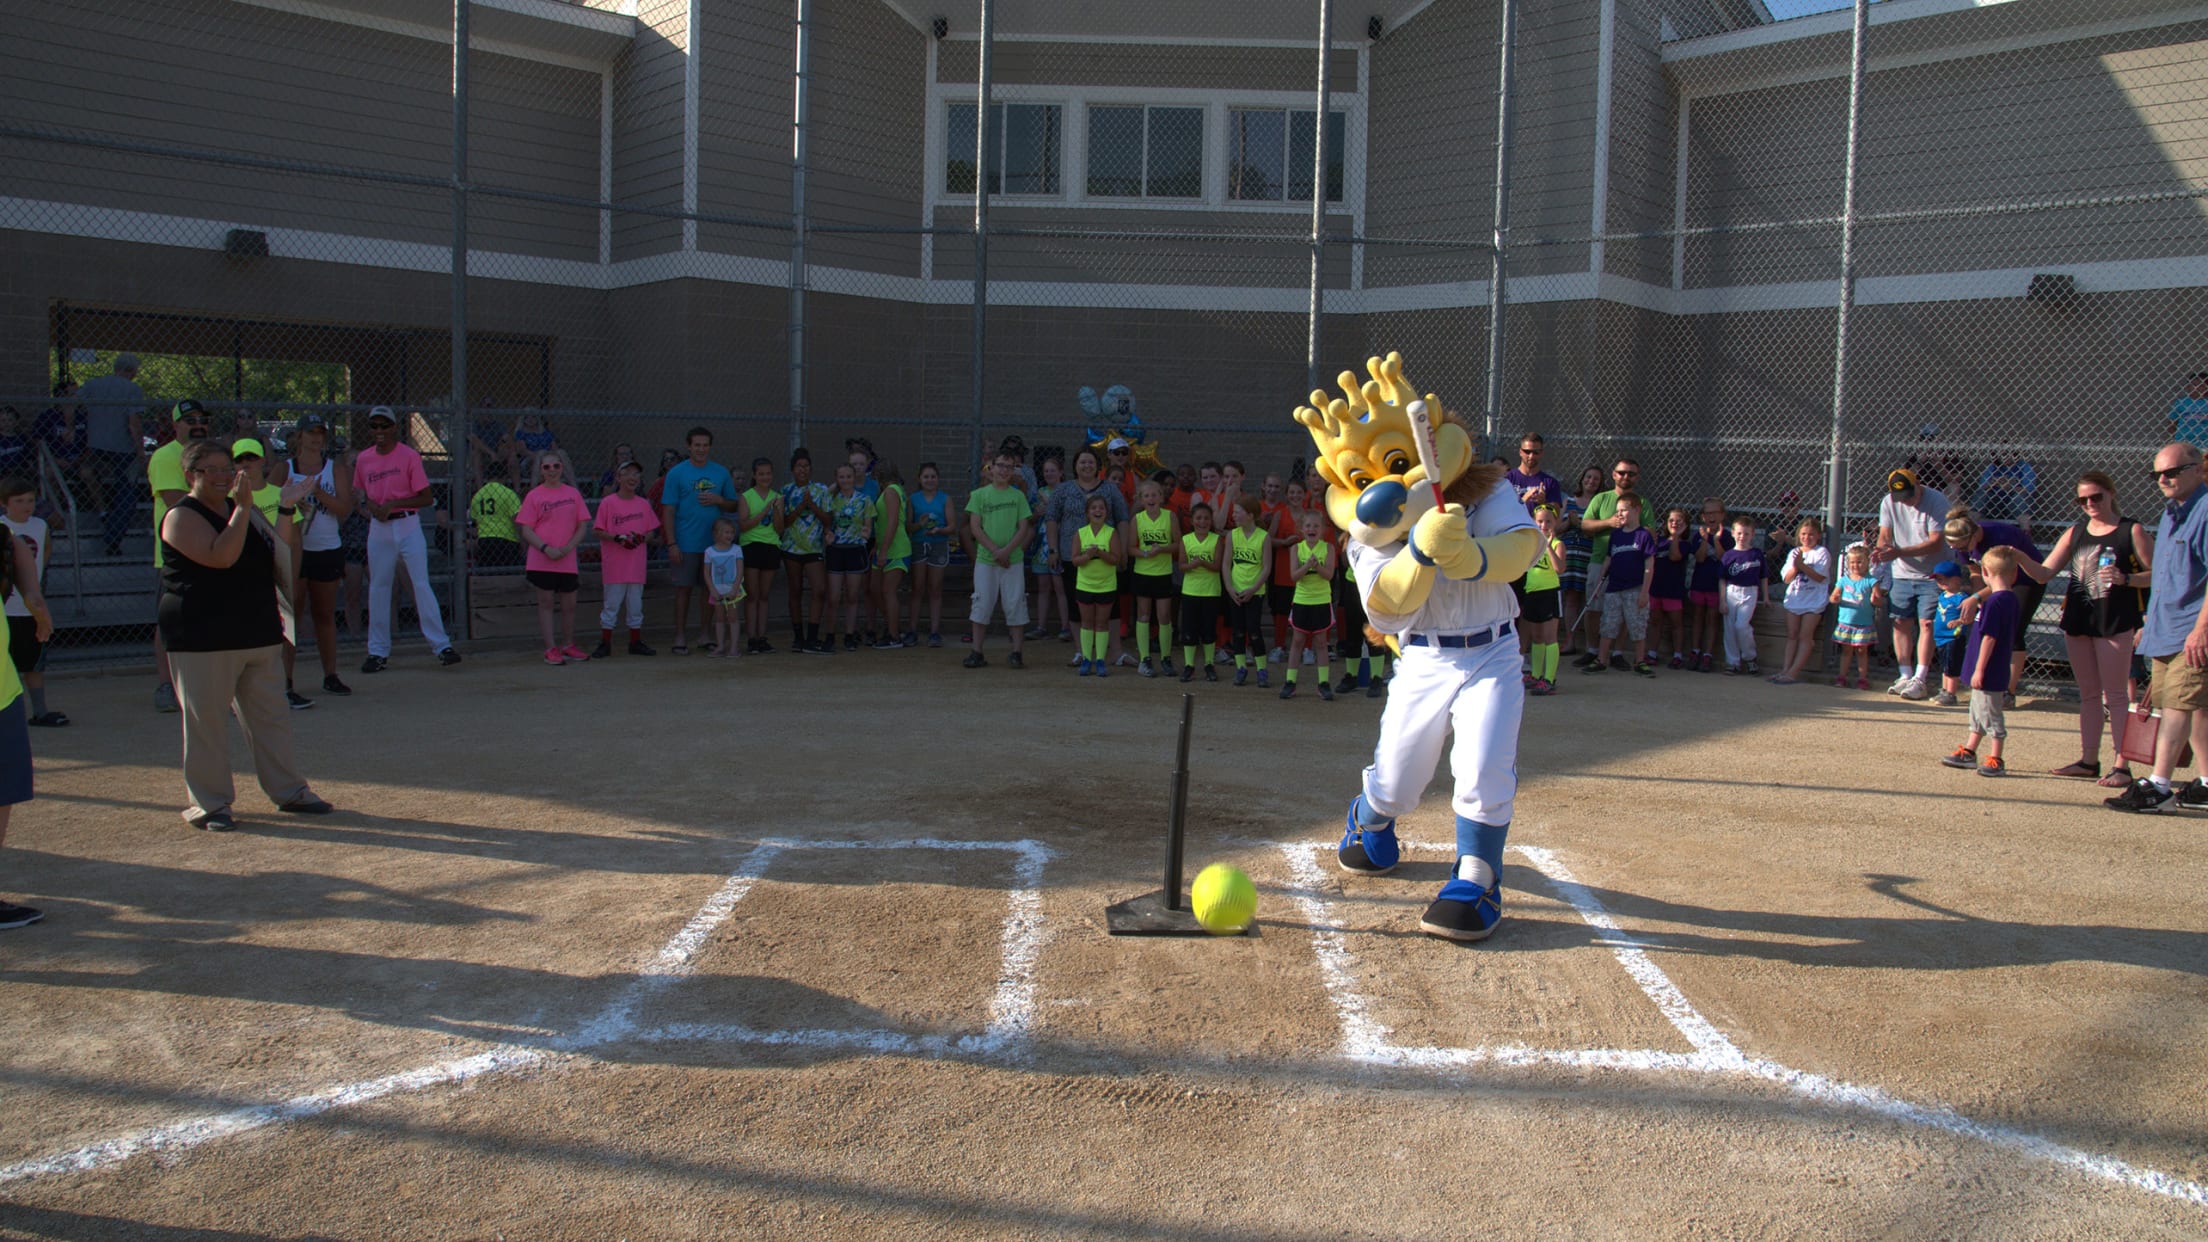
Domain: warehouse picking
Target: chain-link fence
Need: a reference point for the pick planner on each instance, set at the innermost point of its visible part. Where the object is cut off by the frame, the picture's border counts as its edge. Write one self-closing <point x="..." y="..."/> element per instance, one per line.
<point x="852" y="219"/>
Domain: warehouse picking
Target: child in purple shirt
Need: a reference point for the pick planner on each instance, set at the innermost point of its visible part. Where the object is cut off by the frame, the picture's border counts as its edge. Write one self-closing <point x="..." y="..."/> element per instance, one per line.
<point x="1627" y="570"/>
<point x="1667" y="588"/>
<point x="1741" y="572"/>
<point x="1986" y="664"/>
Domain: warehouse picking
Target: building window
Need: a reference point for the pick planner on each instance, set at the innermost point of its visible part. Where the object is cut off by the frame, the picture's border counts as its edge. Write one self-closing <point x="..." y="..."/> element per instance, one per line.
<point x="1137" y="152"/>
<point x="1024" y="146"/>
<point x="1269" y="155"/>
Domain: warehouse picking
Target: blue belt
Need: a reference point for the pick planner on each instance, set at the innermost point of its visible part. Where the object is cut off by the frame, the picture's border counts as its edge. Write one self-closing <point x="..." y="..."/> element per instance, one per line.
<point x="1481" y="639"/>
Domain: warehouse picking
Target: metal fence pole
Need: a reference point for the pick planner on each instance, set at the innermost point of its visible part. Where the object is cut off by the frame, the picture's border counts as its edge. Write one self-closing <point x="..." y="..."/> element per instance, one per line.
<point x="456" y="422"/>
<point x="1497" y="267"/>
<point x="1847" y="277"/>
<point x="981" y="232"/>
<point x="799" y="114"/>
<point x="1318" y="196"/>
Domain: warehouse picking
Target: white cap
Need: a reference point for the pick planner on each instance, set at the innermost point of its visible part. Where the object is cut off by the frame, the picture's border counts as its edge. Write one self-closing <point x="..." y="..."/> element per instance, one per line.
<point x="1118" y="442"/>
<point x="382" y="411"/>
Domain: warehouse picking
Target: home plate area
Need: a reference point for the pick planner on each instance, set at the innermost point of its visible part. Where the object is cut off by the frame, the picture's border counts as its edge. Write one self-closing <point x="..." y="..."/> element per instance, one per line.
<point x="932" y="948"/>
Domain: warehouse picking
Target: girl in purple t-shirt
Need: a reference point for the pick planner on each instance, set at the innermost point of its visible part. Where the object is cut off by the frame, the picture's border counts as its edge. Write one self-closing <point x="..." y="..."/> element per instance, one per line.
<point x="1741" y="573"/>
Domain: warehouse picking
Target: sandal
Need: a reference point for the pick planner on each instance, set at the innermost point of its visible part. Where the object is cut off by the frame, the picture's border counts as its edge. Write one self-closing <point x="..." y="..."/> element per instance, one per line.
<point x="2083" y="769"/>
<point x="2119" y="777"/>
<point x="680" y="649"/>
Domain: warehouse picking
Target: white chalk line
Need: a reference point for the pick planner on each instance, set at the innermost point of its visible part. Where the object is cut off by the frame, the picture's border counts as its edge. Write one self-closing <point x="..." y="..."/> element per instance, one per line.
<point x="1011" y="1010"/>
<point x="1365" y="1039"/>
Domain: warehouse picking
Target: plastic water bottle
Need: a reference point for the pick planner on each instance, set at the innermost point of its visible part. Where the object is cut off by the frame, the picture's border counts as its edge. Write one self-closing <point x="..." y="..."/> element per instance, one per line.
<point x="2099" y="588"/>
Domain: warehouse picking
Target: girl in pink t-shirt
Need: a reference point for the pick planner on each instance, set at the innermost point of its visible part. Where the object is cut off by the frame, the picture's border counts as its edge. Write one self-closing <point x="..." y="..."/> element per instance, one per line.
<point x="625" y="523"/>
<point x="552" y="521"/>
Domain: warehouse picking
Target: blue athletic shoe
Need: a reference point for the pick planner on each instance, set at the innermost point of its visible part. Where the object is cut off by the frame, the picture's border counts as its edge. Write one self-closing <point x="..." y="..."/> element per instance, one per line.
<point x="1367" y="851"/>
<point x="1086" y="670"/>
<point x="1470" y="904"/>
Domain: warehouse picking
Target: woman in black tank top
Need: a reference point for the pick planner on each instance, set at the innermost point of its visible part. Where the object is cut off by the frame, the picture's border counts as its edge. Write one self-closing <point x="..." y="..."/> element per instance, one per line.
<point x="218" y="614"/>
<point x="2109" y="559"/>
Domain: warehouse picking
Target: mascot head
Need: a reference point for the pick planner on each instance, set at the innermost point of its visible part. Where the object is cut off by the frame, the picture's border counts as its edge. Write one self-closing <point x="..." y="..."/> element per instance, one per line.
<point x="1368" y="454"/>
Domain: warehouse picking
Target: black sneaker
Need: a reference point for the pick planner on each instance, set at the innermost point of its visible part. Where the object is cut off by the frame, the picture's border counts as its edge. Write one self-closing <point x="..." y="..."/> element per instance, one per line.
<point x="638" y="646"/>
<point x="850" y="642"/>
<point x="1645" y="669"/>
<point x="1347" y="684"/>
<point x="1287" y="689"/>
<point x="298" y="701"/>
<point x="1595" y="668"/>
<point x="448" y="657"/>
<point x="1378" y="689"/>
<point x="1016" y="660"/>
<point x="18" y="916"/>
<point x="1211" y="674"/>
<point x="1188" y="674"/>
<point x="760" y="646"/>
<point x="1326" y="692"/>
<point x="374" y="664"/>
<point x="975" y="659"/>
<point x="331" y="685"/>
<point x="1586" y="659"/>
<point x="2193" y="795"/>
<point x="215" y="821"/>
<point x="1619" y="663"/>
<point x="2141" y="799"/>
<point x="603" y="651"/>
<point x="887" y="643"/>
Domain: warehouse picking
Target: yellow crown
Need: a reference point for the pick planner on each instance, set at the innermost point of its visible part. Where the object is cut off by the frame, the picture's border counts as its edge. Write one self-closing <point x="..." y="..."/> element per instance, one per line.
<point x="1366" y="431"/>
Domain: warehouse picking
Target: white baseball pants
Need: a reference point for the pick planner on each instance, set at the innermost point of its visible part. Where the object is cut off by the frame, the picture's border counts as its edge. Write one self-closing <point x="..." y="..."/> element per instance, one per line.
<point x="390" y="544"/>
<point x="1474" y="693"/>
<point x="1739" y="624"/>
<point x="617" y="594"/>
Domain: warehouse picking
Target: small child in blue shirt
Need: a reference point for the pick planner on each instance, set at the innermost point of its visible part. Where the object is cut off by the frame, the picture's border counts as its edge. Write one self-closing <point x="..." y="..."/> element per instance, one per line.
<point x="1947" y="628"/>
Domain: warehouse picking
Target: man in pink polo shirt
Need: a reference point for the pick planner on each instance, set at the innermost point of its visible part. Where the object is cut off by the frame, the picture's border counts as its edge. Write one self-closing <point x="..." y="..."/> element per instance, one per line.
<point x="395" y="488"/>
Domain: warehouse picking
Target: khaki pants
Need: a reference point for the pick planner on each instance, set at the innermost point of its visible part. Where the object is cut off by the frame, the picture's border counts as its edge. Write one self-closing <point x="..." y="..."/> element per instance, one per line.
<point x="207" y="684"/>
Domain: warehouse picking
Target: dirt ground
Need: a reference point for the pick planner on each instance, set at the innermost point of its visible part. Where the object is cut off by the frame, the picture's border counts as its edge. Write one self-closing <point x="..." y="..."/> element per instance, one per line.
<point x="794" y="947"/>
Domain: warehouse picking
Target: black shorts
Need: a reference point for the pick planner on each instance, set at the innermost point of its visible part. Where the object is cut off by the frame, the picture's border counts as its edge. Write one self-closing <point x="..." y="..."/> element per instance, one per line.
<point x="1536" y="607"/>
<point x="2028" y="595"/>
<point x="799" y="560"/>
<point x="494" y="553"/>
<point x="848" y="558"/>
<point x="1199" y="618"/>
<point x="1247" y="619"/>
<point x="1951" y="657"/>
<point x="1311" y="618"/>
<point x="15" y="751"/>
<point x="28" y="654"/>
<point x="1280" y="598"/>
<point x="1154" y="586"/>
<point x="323" y="565"/>
<point x="762" y="557"/>
<point x="1095" y="599"/>
<point x="558" y="584"/>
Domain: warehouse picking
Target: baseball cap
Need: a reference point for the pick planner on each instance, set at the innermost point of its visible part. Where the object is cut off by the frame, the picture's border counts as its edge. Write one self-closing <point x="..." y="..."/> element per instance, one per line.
<point x="187" y="409"/>
<point x="1789" y="497"/>
<point x="311" y="420"/>
<point x="1904" y="480"/>
<point x="1947" y="569"/>
<point x="383" y="412"/>
<point x="1118" y="443"/>
<point x="246" y="448"/>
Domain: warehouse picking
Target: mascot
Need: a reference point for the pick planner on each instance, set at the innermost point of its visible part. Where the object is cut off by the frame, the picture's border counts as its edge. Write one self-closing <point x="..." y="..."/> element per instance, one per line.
<point x="1435" y="540"/>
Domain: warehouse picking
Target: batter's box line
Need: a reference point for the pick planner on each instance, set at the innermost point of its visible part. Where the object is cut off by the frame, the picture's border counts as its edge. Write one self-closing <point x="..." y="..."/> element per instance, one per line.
<point x="1367" y="1041"/>
<point x="1011" y="1017"/>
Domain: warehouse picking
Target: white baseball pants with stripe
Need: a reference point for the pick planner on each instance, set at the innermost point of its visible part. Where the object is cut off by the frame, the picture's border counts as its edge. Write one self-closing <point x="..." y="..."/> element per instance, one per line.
<point x="391" y="544"/>
<point x="1475" y="694"/>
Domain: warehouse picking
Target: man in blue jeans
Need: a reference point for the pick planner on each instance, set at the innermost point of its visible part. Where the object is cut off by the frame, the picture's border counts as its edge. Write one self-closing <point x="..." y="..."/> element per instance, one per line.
<point x="1912" y="535"/>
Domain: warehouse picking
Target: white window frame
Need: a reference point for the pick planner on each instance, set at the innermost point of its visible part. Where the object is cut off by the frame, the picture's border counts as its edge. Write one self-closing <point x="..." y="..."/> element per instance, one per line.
<point x="1143" y="194"/>
<point x="1074" y="146"/>
<point x="942" y="179"/>
<point x="1288" y="147"/>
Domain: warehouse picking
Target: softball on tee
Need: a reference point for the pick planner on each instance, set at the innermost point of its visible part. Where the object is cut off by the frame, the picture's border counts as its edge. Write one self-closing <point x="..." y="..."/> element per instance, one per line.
<point x="1223" y="899"/>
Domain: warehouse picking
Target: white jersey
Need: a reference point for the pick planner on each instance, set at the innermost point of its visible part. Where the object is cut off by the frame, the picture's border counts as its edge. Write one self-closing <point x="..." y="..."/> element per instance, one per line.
<point x="1453" y="606"/>
<point x="34" y="530"/>
<point x="322" y="531"/>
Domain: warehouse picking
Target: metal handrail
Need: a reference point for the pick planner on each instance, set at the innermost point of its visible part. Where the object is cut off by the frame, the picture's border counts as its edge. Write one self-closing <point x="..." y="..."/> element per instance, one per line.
<point x="49" y="473"/>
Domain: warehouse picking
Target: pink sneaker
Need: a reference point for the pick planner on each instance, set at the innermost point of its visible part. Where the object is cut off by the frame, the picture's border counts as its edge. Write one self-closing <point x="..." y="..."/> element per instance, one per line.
<point x="575" y="654"/>
<point x="1862" y="683"/>
<point x="552" y="656"/>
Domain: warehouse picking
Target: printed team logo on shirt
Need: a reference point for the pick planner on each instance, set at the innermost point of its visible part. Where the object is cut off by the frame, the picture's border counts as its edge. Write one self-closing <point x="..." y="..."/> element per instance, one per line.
<point x="632" y="518"/>
<point x="555" y="504"/>
<point x="371" y="474"/>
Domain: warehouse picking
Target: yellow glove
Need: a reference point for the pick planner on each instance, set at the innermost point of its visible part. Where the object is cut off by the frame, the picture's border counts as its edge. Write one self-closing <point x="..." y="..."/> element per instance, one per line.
<point x="1402" y="585"/>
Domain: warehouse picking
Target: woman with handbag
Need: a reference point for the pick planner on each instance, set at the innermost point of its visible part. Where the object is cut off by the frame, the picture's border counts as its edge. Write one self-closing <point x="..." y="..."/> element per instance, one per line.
<point x="2110" y="560"/>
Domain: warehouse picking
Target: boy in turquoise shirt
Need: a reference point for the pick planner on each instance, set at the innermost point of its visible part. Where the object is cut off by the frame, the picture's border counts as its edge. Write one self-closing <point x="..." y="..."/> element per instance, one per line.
<point x="1948" y="628"/>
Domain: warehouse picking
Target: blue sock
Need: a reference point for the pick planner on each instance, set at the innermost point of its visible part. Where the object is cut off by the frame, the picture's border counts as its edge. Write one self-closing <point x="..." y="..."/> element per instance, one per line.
<point x="1366" y="816"/>
<point x="1482" y="841"/>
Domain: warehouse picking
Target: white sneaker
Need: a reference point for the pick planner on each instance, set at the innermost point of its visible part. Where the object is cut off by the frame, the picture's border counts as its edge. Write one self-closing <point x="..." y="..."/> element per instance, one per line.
<point x="1075" y="662"/>
<point x="1915" y="691"/>
<point x="1126" y="659"/>
<point x="1310" y="657"/>
<point x="1901" y="683"/>
<point x="1279" y="656"/>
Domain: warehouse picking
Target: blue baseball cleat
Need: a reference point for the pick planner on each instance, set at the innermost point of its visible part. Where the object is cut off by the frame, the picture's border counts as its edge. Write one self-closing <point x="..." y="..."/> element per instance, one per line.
<point x="1367" y="851"/>
<point x="1470" y="904"/>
